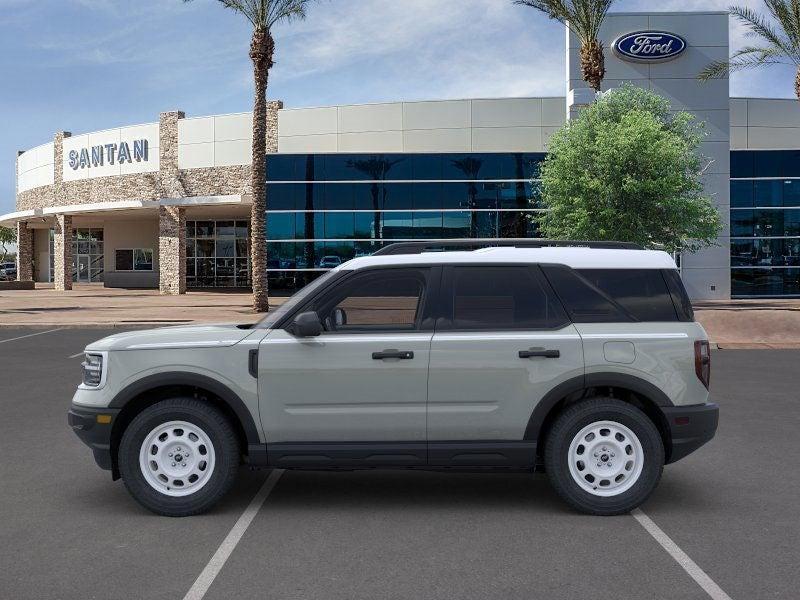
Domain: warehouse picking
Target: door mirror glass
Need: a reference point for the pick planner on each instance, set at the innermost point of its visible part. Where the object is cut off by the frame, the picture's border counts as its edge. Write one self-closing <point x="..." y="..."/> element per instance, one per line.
<point x="306" y="324"/>
<point x="339" y="317"/>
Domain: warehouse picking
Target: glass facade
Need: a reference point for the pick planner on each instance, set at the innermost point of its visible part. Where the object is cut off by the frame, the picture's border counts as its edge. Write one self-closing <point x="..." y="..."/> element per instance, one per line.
<point x="88" y="262"/>
<point x="218" y="254"/>
<point x="765" y="223"/>
<point x="324" y="209"/>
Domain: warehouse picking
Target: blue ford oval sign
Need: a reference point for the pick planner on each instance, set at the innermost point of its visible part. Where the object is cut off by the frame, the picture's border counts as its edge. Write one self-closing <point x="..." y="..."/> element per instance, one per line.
<point x="649" y="46"/>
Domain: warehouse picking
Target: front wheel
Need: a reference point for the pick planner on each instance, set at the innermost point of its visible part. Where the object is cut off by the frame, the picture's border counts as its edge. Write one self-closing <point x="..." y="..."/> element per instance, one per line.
<point x="178" y="457"/>
<point x="604" y="456"/>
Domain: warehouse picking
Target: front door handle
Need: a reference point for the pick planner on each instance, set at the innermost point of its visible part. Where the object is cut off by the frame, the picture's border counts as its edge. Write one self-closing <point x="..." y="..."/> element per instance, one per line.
<point x="401" y="354"/>
<point x="539" y="352"/>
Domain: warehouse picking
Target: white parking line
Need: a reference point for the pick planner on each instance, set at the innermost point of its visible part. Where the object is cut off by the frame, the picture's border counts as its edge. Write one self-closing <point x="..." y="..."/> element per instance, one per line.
<point x="76" y="355"/>
<point x="214" y="566"/>
<point x="22" y="337"/>
<point x="695" y="572"/>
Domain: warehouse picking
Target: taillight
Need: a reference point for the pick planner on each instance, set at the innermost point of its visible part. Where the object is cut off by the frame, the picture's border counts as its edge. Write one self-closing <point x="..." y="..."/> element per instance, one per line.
<point x="702" y="361"/>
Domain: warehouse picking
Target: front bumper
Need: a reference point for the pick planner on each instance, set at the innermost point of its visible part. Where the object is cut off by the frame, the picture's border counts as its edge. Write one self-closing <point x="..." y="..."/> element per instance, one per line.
<point x="90" y="426"/>
<point x="690" y="427"/>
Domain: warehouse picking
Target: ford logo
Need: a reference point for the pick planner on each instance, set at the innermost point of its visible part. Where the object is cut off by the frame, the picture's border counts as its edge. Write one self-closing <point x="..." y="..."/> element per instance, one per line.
<point x="649" y="46"/>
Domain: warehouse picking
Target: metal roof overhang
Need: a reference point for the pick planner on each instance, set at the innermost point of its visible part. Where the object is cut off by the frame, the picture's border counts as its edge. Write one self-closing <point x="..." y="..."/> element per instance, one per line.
<point x="12" y="218"/>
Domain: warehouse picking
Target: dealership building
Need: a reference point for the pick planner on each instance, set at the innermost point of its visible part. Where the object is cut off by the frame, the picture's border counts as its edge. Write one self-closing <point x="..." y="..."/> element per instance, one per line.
<point x="167" y="204"/>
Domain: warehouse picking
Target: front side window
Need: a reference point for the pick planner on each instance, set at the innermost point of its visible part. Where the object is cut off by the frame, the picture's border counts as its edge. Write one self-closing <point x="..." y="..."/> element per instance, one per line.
<point x="500" y="298"/>
<point x="388" y="300"/>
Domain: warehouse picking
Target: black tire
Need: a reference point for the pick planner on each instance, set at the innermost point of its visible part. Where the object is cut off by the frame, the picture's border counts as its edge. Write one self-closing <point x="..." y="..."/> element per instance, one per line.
<point x="221" y="435"/>
<point x="581" y="414"/>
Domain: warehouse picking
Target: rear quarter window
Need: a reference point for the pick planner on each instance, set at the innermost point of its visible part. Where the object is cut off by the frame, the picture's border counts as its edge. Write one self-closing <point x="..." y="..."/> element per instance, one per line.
<point x="641" y="292"/>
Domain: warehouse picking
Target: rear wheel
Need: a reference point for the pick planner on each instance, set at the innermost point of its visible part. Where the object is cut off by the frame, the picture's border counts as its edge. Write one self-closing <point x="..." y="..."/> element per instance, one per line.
<point x="179" y="457"/>
<point x="604" y="456"/>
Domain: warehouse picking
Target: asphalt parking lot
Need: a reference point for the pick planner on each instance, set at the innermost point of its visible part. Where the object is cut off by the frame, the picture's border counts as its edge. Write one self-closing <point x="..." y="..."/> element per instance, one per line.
<point x="68" y="531"/>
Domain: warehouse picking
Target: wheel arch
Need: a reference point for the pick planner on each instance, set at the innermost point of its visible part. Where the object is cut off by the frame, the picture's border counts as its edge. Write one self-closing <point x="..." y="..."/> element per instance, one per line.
<point x="151" y="389"/>
<point x="629" y="388"/>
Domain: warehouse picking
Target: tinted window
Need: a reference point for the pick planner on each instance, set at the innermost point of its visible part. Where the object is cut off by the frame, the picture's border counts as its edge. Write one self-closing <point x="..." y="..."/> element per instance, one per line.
<point x="500" y="298"/>
<point x="680" y="299"/>
<point x="642" y="292"/>
<point x="389" y="300"/>
<point x="584" y="302"/>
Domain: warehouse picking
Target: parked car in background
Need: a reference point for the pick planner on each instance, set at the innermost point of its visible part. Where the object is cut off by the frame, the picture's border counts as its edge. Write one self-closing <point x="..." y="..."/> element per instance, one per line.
<point x="582" y="362"/>
<point x="8" y="271"/>
<point x="330" y="262"/>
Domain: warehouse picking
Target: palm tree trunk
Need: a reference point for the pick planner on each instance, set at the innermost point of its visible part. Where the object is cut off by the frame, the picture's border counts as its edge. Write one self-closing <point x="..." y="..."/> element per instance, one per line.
<point x="593" y="64"/>
<point x="261" y="52"/>
<point x="797" y="84"/>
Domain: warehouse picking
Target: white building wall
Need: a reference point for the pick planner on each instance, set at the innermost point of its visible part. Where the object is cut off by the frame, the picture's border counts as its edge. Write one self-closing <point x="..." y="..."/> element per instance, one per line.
<point x="480" y="125"/>
<point x="765" y="124"/>
<point x="215" y="141"/>
<point x="35" y="167"/>
<point x="706" y="274"/>
<point x="86" y="141"/>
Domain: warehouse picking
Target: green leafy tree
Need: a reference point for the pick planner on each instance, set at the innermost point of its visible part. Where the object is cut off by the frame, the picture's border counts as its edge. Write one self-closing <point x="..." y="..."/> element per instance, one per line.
<point x="263" y="15"/>
<point x="584" y="19"/>
<point x="627" y="169"/>
<point x="8" y="236"/>
<point x="778" y="40"/>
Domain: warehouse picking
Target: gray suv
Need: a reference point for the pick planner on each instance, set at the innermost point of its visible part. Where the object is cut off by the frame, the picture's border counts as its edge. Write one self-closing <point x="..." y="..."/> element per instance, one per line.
<point x="582" y="362"/>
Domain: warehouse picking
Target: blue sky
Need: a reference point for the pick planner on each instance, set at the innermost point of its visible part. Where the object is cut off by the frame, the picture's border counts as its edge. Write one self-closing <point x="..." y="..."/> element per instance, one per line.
<point x="84" y="65"/>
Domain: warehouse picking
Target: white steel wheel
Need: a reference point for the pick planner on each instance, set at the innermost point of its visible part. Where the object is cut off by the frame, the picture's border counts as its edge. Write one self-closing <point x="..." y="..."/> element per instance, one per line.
<point x="177" y="458"/>
<point x="605" y="458"/>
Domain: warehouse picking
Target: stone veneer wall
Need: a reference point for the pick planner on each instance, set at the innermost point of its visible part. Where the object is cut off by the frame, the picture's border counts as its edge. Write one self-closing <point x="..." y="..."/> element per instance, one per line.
<point x="24" y="252"/>
<point x="172" y="250"/>
<point x="62" y="251"/>
<point x="169" y="182"/>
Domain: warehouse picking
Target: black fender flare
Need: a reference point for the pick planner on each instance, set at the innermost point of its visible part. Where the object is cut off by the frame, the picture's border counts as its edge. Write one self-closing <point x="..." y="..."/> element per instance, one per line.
<point x="592" y="380"/>
<point x="222" y="391"/>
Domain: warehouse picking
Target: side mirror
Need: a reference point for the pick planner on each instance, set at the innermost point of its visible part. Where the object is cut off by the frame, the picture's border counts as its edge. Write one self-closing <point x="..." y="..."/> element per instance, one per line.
<point x="339" y="317"/>
<point x="306" y="324"/>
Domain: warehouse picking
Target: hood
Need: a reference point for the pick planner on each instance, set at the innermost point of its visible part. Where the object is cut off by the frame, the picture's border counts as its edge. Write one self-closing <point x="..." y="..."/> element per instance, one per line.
<point x="188" y="336"/>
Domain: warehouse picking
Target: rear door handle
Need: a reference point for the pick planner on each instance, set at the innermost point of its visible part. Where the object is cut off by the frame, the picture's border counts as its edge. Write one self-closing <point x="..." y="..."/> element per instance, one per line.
<point x="539" y="352"/>
<point x="401" y="354"/>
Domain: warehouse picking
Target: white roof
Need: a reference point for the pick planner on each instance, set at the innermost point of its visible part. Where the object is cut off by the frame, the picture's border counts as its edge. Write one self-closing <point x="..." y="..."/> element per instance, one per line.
<point x="575" y="257"/>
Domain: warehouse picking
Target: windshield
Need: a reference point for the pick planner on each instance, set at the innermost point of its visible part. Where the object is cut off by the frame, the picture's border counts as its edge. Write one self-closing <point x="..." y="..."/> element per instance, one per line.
<point x="276" y="314"/>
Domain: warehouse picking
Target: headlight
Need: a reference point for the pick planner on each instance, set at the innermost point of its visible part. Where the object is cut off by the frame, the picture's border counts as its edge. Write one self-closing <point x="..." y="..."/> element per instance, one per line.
<point x="92" y="369"/>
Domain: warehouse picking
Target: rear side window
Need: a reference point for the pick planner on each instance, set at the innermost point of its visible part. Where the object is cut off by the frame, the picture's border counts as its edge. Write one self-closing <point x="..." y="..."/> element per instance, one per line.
<point x="642" y="292"/>
<point x="584" y="301"/>
<point x="683" y="306"/>
<point x="499" y="298"/>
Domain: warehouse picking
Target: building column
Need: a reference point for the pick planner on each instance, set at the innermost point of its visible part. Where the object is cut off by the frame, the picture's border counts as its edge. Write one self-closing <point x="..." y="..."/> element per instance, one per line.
<point x="171" y="250"/>
<point x="24" y="252"/>
<point x="62" y="251"/>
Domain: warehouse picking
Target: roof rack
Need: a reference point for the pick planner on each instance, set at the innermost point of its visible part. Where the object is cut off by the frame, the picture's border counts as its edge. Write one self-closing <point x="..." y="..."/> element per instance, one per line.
<point x="442" y="246"/>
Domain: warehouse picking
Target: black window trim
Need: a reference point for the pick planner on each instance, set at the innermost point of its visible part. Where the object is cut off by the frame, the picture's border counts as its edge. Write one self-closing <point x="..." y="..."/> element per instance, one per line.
<point x="427" y="304"/>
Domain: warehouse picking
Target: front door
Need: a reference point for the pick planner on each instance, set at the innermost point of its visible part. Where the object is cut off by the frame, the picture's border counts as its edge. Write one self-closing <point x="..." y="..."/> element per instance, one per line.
<point x="503" y="341"/>
<point x="83" y="268"/>
<point x="357" y="393"/>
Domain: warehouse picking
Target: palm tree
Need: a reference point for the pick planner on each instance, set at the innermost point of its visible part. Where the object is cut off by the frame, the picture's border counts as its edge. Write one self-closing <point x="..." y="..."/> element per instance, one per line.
<point x="262" y="15"/>
<point x="584" y="19"/>
<point x="780" y="41"/>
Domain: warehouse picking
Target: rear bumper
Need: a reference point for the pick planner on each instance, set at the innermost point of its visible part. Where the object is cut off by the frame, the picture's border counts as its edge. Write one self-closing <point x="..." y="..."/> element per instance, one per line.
<point x="97" y="436"/>
<point x="690" y="427"/>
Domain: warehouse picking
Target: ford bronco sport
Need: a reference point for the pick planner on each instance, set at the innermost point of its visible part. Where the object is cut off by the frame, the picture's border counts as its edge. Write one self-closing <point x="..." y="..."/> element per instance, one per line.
<point x="583" y="362"/>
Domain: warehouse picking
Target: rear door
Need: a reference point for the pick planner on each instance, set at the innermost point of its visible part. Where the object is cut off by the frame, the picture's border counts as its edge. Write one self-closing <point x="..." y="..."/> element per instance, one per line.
<point x="501" y="343"/>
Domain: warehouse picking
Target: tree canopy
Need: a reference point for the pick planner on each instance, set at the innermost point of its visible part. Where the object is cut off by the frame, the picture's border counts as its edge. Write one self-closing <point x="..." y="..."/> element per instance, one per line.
<point x="627" y="169"/>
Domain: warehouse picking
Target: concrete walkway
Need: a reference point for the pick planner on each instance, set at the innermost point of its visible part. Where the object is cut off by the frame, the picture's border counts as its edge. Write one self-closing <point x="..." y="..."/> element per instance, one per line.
<point x="732" y="324"/>
<point x="92" y="305"/>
